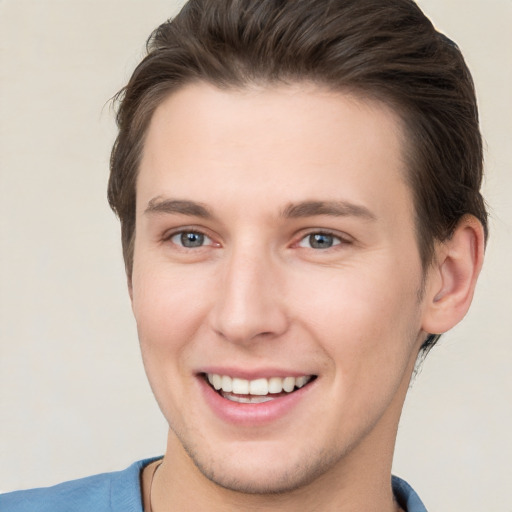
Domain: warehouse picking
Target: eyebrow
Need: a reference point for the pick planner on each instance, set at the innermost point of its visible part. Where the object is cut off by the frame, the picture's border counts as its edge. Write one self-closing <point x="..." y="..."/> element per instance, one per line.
<point x="291" y="211"/>
<point x="178" y="206"/>
<point x="333" y="208"/>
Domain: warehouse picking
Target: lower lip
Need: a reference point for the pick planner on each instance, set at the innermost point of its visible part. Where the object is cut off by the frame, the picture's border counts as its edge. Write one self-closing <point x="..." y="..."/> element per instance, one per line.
<point x="252" y="414"/>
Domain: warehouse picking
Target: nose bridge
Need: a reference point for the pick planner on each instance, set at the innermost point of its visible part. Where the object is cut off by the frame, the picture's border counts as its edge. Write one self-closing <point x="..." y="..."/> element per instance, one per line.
<point x="249" y="303"/>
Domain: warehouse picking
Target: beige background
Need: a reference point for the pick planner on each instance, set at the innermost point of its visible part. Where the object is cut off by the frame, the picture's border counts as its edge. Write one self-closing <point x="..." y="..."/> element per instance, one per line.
<point x="73" y="395"/>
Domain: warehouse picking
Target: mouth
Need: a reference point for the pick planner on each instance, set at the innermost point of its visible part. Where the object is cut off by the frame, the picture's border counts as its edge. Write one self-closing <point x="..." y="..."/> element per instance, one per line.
<point x="256" y="391"/>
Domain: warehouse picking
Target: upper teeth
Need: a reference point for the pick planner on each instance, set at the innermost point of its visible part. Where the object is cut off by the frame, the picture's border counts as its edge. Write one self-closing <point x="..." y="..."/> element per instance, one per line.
<point x="257" y="386"/>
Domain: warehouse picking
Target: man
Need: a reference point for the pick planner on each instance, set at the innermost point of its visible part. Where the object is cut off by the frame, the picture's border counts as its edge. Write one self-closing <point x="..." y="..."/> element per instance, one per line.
<point x="298" y="189"/>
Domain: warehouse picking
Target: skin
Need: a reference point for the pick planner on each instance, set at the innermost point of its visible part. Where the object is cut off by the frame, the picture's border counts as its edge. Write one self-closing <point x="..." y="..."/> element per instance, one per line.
<point x="256" y="295"/>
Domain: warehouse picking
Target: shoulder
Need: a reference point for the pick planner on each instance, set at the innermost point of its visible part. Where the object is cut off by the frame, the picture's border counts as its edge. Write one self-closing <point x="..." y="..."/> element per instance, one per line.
<point x="107" y="492"/>
<point x="406" y="496"/>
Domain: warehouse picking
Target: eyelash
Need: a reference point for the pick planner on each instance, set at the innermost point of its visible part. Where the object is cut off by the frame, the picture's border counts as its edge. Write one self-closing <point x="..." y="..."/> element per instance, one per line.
<point x="337" y="239"/>
<point x="185" y="232"/>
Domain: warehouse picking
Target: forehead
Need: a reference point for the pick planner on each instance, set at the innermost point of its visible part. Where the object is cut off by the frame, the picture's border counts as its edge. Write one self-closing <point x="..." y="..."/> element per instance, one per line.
<point x="288" y="142"/>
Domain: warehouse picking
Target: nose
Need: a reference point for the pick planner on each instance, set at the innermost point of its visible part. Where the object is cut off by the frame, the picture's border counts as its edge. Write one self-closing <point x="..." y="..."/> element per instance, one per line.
<point x="250" y="301"/>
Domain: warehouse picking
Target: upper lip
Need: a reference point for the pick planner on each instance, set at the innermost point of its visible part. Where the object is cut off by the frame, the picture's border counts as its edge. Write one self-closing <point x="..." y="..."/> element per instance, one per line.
<point x="253" y="374"/>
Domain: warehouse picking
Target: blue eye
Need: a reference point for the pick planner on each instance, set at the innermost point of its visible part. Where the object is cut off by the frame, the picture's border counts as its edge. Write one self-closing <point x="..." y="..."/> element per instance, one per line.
<point x="320" y="241"/>
<point x="190" y="239"/>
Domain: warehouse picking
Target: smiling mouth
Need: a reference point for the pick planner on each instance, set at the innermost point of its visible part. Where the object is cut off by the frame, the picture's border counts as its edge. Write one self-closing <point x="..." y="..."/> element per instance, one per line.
<point x="256" y="391"/>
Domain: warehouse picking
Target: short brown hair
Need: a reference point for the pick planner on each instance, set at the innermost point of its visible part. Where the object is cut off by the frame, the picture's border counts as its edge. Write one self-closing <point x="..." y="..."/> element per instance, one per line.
<point x="379" y="49"/>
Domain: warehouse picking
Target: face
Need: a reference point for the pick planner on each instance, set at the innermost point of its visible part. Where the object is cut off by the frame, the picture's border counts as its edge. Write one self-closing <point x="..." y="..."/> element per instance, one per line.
<point x="276" y="281"/>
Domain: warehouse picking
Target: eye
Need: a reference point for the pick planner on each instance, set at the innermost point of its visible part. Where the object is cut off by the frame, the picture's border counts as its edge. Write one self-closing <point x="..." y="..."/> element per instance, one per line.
<point x="320" y="241"/>
<point x="190" y="239"/>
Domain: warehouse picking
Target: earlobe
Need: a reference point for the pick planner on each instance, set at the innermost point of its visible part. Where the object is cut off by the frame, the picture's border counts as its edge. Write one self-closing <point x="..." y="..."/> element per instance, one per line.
<point x="452" y="280"/>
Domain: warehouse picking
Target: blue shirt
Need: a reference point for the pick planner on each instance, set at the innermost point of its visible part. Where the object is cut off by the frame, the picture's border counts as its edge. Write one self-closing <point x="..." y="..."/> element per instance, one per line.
<point x="121" y="492"/>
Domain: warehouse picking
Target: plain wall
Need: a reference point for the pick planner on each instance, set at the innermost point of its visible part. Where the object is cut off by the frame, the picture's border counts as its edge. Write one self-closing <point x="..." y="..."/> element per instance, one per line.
<point x="73" y="395"/>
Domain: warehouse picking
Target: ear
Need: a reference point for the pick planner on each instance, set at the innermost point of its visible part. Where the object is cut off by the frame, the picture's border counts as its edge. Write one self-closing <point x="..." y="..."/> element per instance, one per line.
<point x="452" y="278"/>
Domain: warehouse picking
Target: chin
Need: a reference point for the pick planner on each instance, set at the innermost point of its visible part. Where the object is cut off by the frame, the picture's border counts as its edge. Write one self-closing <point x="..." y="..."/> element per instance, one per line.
<point x="261" y="480"/>
<point x="254" y="473"/>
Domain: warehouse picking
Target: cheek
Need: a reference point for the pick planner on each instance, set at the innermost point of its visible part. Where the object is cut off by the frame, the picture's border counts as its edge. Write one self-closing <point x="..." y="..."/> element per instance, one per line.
<point x="367" y="322"/>
<point x="168" y="315"/>
<point x="169" y="309"/>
